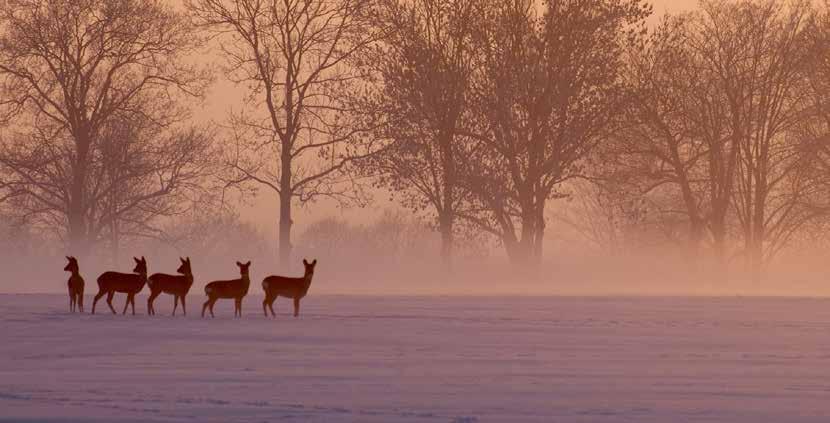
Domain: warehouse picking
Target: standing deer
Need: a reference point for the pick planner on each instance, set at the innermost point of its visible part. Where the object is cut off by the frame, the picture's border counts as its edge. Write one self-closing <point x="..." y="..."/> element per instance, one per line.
<point x="176" y="285"/>
<point x="236" y="289"/>
<point x="130" y="283"/>
<point x="75" y="284"/>
<point x="281" y="286"/>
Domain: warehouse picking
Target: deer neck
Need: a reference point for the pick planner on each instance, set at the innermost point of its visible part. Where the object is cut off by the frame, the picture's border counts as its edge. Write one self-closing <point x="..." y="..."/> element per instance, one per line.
<point x="75" y="274"/>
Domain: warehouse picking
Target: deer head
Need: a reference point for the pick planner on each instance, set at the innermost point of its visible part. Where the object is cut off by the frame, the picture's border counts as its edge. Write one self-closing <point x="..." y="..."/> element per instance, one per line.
<point x="309" y="267"/>
<point x="140" y="266"/>
<point x="72" y="266"/>
<point x="184" y="269"/>
<point x="243" y="267"/>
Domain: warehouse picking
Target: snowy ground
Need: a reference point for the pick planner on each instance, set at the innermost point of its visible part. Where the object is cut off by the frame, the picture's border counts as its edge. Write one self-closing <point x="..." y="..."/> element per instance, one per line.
<point x="399" y="359"/>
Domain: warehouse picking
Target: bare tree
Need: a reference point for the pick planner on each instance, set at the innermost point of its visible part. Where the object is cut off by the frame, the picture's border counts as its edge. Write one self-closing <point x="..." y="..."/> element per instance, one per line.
<point x="676" y="134"/>
<point x="299" y="59"/>
<point x="426" y="62"/>
<point x="758" y="52"/>
<point x="137" y="175"/>
<point x="659" y="145"/>
<point x="147" y="175"/>
<point x="815" y="130"/>
<point x="547" y="92"/>
<point x="67" y="69"/>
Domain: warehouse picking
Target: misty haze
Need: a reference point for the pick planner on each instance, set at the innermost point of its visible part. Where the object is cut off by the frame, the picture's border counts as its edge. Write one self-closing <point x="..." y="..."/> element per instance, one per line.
<point x="414" y="210"/>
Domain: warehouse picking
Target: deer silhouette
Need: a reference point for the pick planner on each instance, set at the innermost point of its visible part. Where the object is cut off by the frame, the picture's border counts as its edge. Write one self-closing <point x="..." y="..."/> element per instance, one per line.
<point x="176" y="285"/>
<point x="130" y="283"/>
<point x="281" y="286"/>
<point x="236" y="289"/>
<point x="75" y="284"/>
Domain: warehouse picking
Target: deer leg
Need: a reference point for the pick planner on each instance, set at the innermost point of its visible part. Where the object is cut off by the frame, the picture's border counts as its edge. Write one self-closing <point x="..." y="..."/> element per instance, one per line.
<point x="95" y="301"/>
<point x="212" y="302"/>
<point x="271" y="306"/>
<point x="109" y="301"/>
<point x="184" y="308"/>
<point x="71" y="301"/>
<point x="126" y="304"/>
<point x="79" y="303"/>
<point x="150" y="309"/>
<point x="132" y="303"/>
<point x="204" y="307"/>
<point x="175" y="303"/>
<point x="296" y="307"/>
<point x="264" y="303"/>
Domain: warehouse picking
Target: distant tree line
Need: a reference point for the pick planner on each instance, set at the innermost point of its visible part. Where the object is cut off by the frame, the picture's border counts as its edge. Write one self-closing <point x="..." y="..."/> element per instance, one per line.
<point x="708" y="129"/>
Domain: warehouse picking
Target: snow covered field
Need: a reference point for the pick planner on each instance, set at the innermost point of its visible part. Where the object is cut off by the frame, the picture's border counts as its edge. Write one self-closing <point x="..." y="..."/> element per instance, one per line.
<point x="418" y="359"/>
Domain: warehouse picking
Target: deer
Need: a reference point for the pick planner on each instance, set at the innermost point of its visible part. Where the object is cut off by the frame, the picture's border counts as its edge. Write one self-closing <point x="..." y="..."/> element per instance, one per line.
<point x="130" y="283"/>
<point x="176" y="285"/>
<point x="281" y="286"/>
<point x="236" y="289"/>
<point x="75" y="285"/>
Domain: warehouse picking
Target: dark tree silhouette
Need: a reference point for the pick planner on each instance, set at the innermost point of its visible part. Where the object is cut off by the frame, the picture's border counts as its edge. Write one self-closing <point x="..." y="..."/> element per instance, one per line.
<point x="659" y="145"/>
<point x="69" y="70"/>
<point x="548" y="90"/>
<point x="426" y="63"/>
<point x="298" y="59"/>
<point x="727" y="111"/>
<point x="757" y="53"/>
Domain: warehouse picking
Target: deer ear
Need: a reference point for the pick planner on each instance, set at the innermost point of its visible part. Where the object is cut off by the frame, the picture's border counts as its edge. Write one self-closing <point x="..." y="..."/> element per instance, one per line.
<point x="239" y="264"/>
<point x="182" y="260"/>
<point x="69" y="258"/>
<point x="188" y="260"/>
<point x="143" y="260"/>
<point x="136" y="260"/>
<point x="305" y="262"/>
<point x="314" y="263"/>
<point x="248" y="263"/>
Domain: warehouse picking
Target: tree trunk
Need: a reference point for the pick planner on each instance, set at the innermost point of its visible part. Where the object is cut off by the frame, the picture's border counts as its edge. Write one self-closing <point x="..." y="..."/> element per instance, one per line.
<point x="521" y="250"/>
<point x="285" y="230"/>
<point x="512" y="247"/>
<point x="695" y="238"/>
<point x="78" y="245"/>
<point x="285" y="209"/>
<point x="447" y="213"/>
<point x="758" y="227"/>
<point x="755" y="262"/>
<point x="719" y="240"/>
<point x="526" y="250"/>
<point x="78" y="233"/>
<point x="445" y="226"/>
<point x="539" y="237"/>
